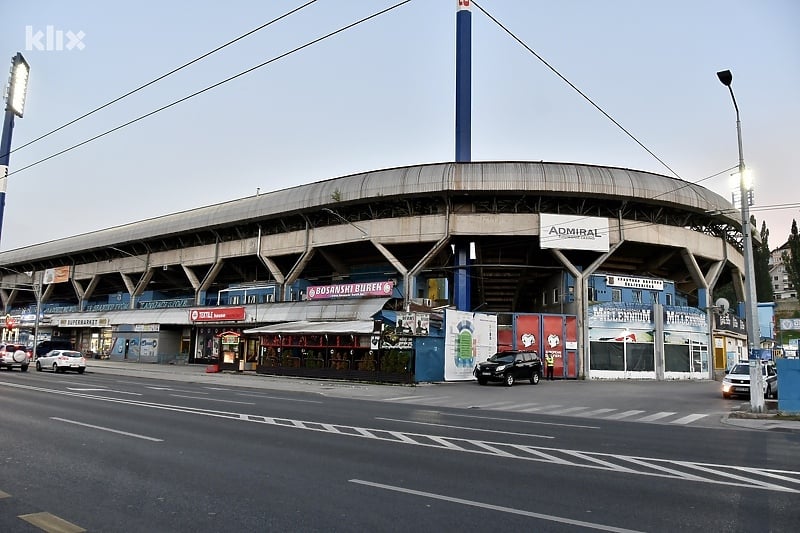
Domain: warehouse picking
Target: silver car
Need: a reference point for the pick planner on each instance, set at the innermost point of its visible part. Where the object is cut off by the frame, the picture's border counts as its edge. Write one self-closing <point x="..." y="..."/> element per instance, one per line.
<point x="61" y="361"/>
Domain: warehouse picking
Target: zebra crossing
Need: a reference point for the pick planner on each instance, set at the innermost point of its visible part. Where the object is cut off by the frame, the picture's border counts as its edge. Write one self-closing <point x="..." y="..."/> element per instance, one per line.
<point x="604" y="413"/>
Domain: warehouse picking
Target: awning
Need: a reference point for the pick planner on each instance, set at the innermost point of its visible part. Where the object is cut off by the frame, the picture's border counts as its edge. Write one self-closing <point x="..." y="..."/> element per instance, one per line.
<point x="175" y="316"/>
<point x="313" y="311"/>
<point x="307" y="327"/>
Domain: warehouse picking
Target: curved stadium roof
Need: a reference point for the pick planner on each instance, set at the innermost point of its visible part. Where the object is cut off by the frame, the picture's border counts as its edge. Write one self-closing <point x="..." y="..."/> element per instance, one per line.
<point x="433" y="180"/>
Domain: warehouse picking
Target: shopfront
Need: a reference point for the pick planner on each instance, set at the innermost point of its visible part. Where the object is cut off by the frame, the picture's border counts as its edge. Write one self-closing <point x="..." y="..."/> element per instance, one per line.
<point x="329" y="349"/>
<point x="634" y="341"/>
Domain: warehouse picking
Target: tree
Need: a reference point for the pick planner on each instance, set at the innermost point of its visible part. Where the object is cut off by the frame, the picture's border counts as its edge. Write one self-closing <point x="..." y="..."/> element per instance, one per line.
<point x="761" y="255"/>
<point x="791" y="258"/>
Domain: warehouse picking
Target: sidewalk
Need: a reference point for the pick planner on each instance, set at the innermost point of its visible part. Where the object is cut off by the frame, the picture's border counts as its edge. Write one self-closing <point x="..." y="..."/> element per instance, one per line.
<point x="769" y="421"/>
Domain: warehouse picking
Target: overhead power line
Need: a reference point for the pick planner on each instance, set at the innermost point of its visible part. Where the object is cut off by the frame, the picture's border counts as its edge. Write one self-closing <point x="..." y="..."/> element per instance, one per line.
<point x="213" y="86"/>
<point x="575" y="88"/>
<point x="159" y="78"/>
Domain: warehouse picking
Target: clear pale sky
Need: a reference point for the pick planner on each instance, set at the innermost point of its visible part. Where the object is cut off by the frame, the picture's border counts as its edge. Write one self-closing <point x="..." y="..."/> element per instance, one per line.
<point x="382" y="94"/>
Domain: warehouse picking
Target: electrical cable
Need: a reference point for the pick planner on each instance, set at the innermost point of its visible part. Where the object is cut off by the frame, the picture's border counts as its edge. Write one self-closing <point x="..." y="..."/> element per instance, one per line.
<point x="159" y="78"/>
<point x="213" y="86"/>
<point x="563" y="78"/>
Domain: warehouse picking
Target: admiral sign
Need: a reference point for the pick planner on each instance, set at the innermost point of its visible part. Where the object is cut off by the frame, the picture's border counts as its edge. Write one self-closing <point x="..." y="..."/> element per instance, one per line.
<point x="217" y="314"/>
<point x="571" y="232"/>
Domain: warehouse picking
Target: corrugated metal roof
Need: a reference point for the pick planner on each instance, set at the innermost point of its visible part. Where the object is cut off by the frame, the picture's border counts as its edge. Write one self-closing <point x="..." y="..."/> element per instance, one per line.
<point x="322" y="310"/>
<point x="556" y="179"/>
<point x="305" y="327"/>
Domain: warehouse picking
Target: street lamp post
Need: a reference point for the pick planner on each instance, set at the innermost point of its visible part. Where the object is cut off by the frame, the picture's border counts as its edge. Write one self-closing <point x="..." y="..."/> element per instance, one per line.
<point x="15" y="105"/>
<point x="751" y="304"/>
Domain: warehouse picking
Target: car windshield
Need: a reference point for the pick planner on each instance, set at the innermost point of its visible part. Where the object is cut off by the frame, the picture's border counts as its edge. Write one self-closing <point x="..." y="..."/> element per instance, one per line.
<point x="503" y="357"/>
<point x="740" y="369"/>
<point x="71" y="354"/>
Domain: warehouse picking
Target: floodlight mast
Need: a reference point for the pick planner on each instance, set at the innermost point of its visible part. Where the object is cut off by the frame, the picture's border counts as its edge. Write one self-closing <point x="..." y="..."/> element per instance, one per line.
<point x="15" y="106"/>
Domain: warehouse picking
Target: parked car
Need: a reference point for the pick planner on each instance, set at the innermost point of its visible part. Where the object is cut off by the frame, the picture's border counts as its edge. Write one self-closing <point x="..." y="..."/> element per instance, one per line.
<point x="737" y="380"/>
<point x="14" y="356"/>
<point x="61" y="361"/>
<point x="55" y="343"/>
<point x="508" y="367"/>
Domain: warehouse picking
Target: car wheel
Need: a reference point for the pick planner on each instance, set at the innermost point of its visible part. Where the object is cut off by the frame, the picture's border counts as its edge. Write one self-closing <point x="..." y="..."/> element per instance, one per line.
<point x="509" y="379"/>
<point x="80" y="370"/>
<point x="535" y="378"/>
<point x="38" y="366"/>
<point x="24" y="368"/>
<point x="55" y="368"/>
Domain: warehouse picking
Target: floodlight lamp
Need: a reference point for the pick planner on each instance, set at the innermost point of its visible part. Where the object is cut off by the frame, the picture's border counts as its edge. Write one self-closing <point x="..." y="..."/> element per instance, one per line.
<point x="747" y="179"/>
<point x="726" y="77"/>
<point x="18" y="85"/>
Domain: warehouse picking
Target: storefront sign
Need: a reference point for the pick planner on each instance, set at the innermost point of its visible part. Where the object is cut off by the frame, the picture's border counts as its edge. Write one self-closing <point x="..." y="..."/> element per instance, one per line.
<point x="146" y="327"/>
<point x="570" y="232"/>
<point x="216" y="314"/>
<point x="83" y="322"/>
<point x="790" y="323"/>
<point x="635" y="283"/>
<point x="350" y="290"/>
<point x="620" y="313"/>
<point x="729" y="322"/>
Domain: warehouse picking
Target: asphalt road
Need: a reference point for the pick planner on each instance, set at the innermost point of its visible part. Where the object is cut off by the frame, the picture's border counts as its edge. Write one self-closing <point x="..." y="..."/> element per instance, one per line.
<point x="127" y="453"/>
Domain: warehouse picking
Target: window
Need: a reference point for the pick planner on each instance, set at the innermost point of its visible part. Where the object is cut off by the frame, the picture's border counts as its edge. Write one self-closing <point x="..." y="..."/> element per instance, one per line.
<point x="270" y="298"/>
<point x="234" y="300"/>
<point x="556" y="295"/>
<point x="636" y="296"/>
<point x="654" y="296"/>
<point x="251" y="299"/>
<point x="591" y="294"/>
<point x="669" y="299"/>
<point x="616" y="295"/>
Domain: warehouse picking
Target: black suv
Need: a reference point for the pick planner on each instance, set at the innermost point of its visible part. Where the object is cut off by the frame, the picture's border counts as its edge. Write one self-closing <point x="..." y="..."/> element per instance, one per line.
<point x="55" y="343"/>
<point x="508" y="367"/>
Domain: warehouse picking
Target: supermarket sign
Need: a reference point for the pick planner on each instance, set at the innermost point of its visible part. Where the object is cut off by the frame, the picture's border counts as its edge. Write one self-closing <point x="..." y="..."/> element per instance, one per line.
<point x="216" y="314"/>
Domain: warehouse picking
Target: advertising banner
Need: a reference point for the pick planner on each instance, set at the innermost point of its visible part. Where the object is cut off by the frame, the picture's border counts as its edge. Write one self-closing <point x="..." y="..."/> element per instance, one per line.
<point x="553" y="333"/>
<point x="56" y="275"/>
<point x="469" y="338"/>
<point x="573" y="232"/>
<point x="528" y="333"/>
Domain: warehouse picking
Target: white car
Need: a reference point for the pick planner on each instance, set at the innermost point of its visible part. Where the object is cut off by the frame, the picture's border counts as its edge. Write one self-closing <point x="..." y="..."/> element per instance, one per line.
<point x="61" y="361"/>
<point x="737" y="380"/>
<point x="14" y="355"/>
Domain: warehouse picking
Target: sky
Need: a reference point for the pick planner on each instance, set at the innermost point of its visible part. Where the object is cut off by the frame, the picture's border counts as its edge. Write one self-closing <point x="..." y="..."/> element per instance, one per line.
<point x="381" y="94"/>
